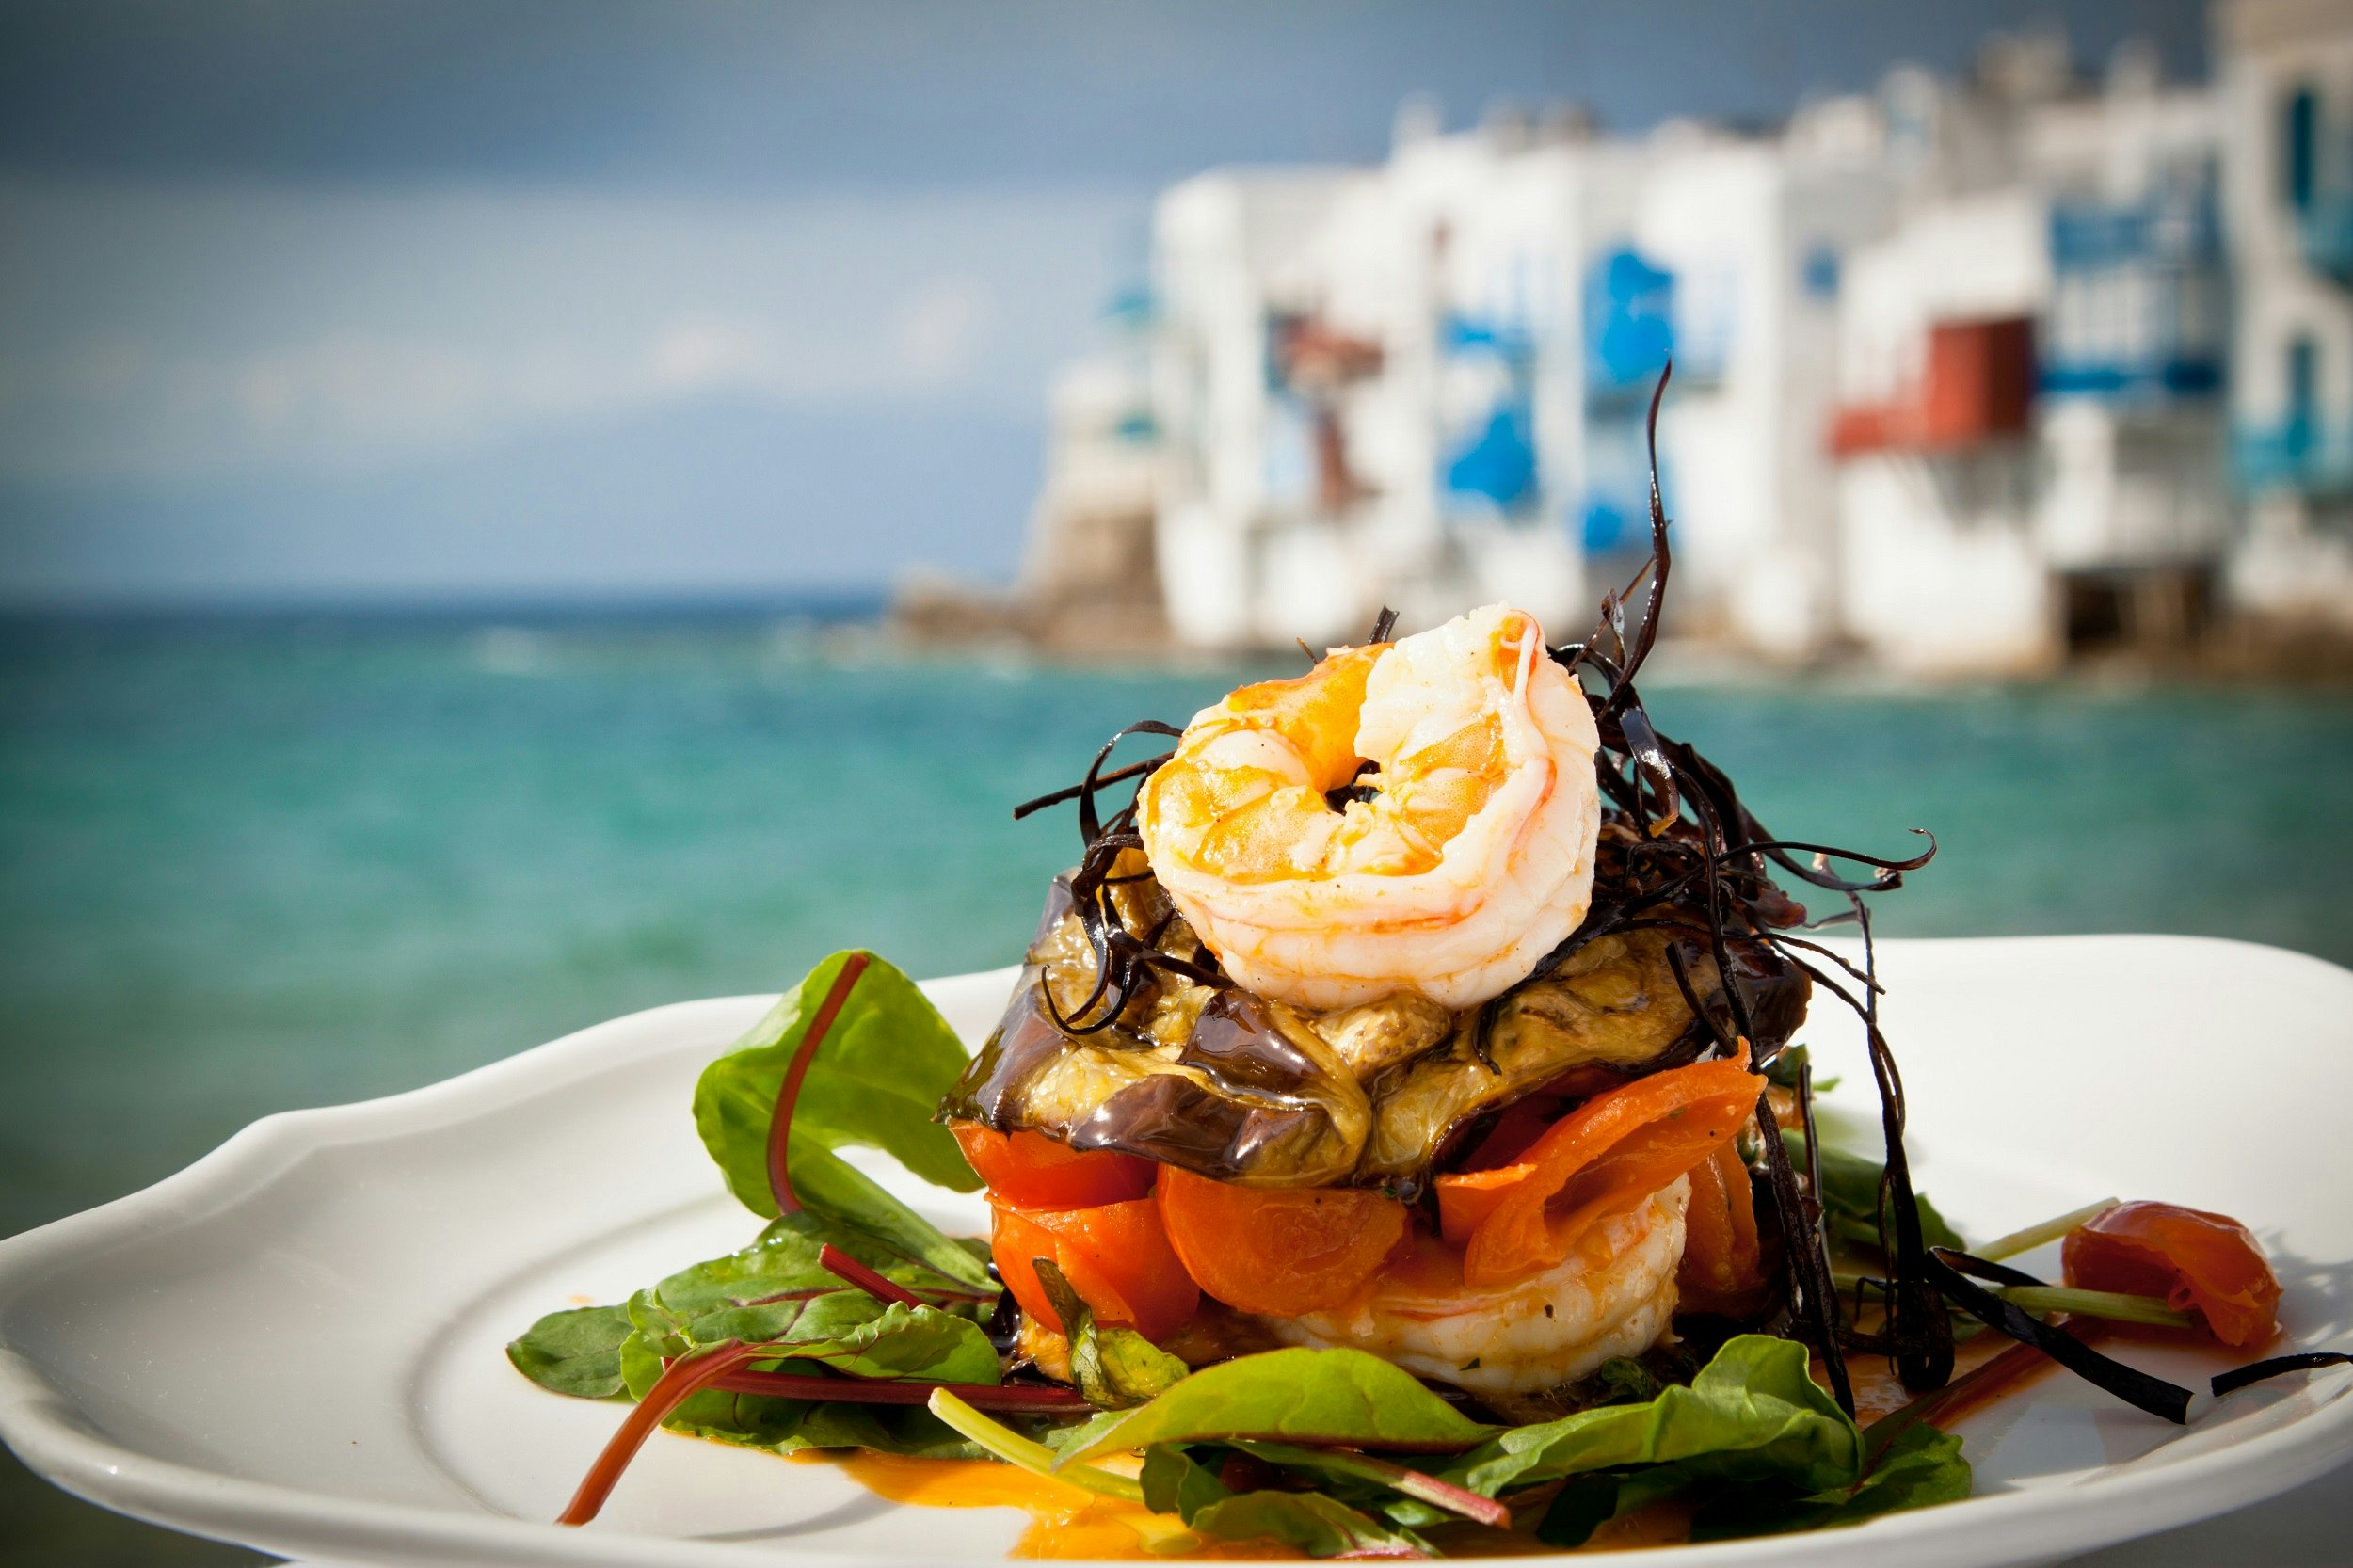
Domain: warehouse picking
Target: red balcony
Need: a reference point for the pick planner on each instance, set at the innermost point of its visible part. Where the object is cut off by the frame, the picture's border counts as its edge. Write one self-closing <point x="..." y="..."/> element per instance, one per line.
<point x="1978" y="389"/>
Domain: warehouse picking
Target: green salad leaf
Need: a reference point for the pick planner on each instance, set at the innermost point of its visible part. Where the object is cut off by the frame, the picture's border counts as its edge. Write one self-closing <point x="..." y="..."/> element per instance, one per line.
<point x="784" y="1263"/>
<point x="1302" y="1395"/>
<point x="773" y="1292"/>
<point x="874" y="1082"/>
<point x="1319" y="1525"/>
<point x="1767" y="1450"/>
<point x="1586" y="1502"/>
<point x="787" y="1426"/>
<point x="576" y="1353"/>
<point x="1921" y="1467"/>
<point x="1751" y="1413"/>
<point x="776" y="1292"/>
<point x="872" y="1341"/>
<point x="1116" y="1369"/>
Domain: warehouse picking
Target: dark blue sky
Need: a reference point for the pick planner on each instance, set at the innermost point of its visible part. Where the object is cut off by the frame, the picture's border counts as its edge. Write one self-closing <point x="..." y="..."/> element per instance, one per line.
<point x="557" y="297"/>
<point x="687" y="94"/>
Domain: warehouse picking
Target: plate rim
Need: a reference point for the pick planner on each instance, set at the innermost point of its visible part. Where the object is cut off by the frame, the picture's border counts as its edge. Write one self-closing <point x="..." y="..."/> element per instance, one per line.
<point x="40" y="1422"/>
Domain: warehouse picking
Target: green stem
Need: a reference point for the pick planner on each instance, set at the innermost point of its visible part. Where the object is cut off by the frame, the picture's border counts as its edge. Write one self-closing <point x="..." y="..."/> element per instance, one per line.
<point x="2034" y="1236"/>
<point x="1162" y="1537"/>
<point x="2096" y="1303"/>
<point x="1018" y="1451"/>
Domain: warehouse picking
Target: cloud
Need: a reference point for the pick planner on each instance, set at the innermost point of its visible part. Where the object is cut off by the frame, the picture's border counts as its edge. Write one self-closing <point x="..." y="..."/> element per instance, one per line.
<point x="695" y="356"/>
<point x="161" y="333"/>
<point x="940" y="329"/>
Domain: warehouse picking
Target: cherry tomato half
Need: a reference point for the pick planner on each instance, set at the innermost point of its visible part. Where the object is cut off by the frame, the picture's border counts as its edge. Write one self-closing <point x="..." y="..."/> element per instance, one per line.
<point x="1116" y="1255"/>
<point x="1029" y="1170"/>
<point x="2198" y="1262"/>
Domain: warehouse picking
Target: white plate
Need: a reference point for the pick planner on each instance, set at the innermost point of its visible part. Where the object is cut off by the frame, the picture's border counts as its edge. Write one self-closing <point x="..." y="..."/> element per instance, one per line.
<point x="296" y="1343"/>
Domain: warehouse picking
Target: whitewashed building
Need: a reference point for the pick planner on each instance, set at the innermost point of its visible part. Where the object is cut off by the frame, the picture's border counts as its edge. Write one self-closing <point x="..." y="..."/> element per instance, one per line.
<point x="1367" y="382"/>
<point x="1970" y="375"/>
<point x="2032" y="432"/>
<point x="1424" y="384"/>
<point x="2286" y="87"/>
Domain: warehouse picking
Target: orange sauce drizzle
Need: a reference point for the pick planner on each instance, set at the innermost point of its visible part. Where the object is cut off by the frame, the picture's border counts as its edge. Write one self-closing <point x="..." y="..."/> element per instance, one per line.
<point x="1064" y="1521"/>
<point x="1068" y="1522"/>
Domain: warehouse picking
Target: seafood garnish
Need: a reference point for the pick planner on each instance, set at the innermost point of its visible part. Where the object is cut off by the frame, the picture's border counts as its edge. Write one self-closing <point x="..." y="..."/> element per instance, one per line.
<point x="1395" y="1131"/>
<point x="1417" y="816"/>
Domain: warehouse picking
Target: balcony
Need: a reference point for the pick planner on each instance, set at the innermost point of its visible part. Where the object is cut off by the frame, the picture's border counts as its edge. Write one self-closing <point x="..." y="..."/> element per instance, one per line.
<point x="2295" y="454"/>
<point x="1637" y="319"/>
<point x="2326" y="229"/>
<point x="2126" y="380"/>
<point x="1977" y="388"/>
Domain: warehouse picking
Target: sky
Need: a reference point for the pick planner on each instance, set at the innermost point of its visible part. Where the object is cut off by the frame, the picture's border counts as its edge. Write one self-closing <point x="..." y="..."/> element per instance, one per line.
<point x="342" y="302"/>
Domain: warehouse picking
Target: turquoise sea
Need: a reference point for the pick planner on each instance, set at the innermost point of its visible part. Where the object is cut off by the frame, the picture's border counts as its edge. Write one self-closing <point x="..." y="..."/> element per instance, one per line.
<point x="253" y="864"/>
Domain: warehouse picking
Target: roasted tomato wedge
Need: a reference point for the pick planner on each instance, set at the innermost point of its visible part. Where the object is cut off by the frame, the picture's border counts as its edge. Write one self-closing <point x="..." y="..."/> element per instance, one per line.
<point x="1116" y="1255"/>
<point x="1606" y="1155"/>
<point x="2198" y="1262"/>
<point x="1278" y="1251"/>
<point x="1723" y="1266"/>
<point x="1029" y="1170"/>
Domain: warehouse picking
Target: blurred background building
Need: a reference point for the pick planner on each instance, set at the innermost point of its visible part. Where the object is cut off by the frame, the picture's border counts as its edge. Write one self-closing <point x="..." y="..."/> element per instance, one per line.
<point x="1971" y="375"/>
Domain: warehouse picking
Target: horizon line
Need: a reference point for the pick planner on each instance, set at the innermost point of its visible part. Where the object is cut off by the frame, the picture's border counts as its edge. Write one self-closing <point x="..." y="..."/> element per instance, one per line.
<point x="826" y="602"/>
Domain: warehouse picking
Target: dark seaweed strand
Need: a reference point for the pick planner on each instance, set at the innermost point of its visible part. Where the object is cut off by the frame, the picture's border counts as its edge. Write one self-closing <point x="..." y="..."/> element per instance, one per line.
<point x="1916" y="1323"/>
<point x="1813" y="1149"/>
<point x="1781" y="940"/>
<point x="1918" y="1335"/>
<point x="1661" y="560"/>
<point x="1133" y="770"/>
<point x="1651" y="763"/>
<point x="1643" y="774"/>
<point x="1384" y="626"/>
<point x="1949" y="1271"/>
<point x="1814" y="1293"/>
<point x="1090" y="822"/>
<point x="1726" y="1044"/>
<point x="2255" y="1371"/>
<point x="1651" y="768"/>
<point x="1719" y="947"/>
<point x="1120" y="956"/>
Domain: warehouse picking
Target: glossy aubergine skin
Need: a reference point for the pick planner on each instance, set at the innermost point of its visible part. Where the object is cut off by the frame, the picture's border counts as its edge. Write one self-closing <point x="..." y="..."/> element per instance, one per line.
<point x="1220" y="1081"/>
<point x="1246" y="1090"/>
<point x="1612" y="1012"/>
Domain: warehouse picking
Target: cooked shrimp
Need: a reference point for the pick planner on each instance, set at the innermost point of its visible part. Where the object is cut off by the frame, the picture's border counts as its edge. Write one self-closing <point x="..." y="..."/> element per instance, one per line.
<point x="1612" y="1296"/>
<point x="1460" y="854"/>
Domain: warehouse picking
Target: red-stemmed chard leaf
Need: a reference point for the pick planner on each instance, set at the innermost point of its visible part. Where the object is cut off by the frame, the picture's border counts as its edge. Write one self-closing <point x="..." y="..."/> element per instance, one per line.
<point x="780" y="1126"/>
<point x="679" y="1381"/>
<point x="837" y="1261"/>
